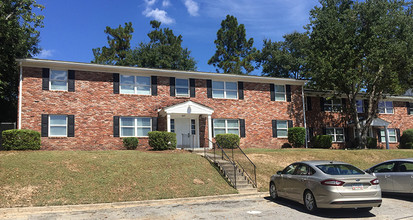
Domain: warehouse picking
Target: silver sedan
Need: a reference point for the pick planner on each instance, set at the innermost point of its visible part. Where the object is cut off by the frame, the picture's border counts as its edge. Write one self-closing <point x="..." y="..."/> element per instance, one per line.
<point x="395" y="176"/>
<point x="326" y="184"/>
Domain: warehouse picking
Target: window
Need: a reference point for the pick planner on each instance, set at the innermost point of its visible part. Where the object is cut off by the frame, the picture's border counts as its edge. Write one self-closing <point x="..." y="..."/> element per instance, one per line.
<point x="384" y="167"/>
<point x="279" y="91"/>
<point x="336" y="133"/>
<point x="386" y="107"/>
<point x="405" y="167"/>
<point x="392" y="135"/>
<point x="339" y="169"/>
<point x="226" y="126"/>
<point x="193" y="131"/>
<point x="58" y="80"/>
<point x="58" y="125"/>
<point x="290" y="169"/>
<point x="135" y="127"/>
<point x="360" y="106"/>
<point x="410" y="106"/>
<point x="224" y="90"/>
<point x="332" y="105"/>
<point x="172" y="125"/>
<point x="282" y="129"/>
<point x="182" y="87"/>
<point x="140" y="85"/>
<point x="303" y="169"/>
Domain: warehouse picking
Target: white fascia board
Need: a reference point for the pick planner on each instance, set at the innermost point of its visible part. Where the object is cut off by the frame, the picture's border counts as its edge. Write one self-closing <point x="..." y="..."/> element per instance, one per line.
<point x="40" y="63"/>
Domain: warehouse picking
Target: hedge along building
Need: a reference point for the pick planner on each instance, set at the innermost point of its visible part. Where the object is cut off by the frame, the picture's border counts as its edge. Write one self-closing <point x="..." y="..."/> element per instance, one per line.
<point x="90" y="106"/>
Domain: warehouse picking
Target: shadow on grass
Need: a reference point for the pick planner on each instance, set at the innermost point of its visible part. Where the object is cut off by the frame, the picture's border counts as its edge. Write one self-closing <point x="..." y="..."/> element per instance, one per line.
<point x="324" y="213"/>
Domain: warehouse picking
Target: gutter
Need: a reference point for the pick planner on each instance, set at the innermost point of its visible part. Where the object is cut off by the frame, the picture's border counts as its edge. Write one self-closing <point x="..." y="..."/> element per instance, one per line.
<point x="20" y="96"/>
<point x="305" y="123"/>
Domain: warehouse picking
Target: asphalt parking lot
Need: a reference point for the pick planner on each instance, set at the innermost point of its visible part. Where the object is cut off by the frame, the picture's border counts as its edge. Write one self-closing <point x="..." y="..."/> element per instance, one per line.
<point x="258" y="206"/>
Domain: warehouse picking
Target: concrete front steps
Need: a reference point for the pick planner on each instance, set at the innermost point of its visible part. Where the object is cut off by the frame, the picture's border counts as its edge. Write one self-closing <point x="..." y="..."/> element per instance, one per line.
<point x="241" y="183"/>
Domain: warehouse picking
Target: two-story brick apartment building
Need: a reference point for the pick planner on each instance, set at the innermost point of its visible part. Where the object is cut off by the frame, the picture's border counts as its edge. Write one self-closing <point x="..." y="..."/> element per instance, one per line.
<point x="90" y="106"/>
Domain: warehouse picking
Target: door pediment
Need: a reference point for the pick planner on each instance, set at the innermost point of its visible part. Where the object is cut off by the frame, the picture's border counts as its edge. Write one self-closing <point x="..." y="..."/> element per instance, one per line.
<point x="188" y="107"/>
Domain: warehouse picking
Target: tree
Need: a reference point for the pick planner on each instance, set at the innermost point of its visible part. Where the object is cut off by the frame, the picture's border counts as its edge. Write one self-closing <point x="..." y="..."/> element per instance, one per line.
<point x="164" y="51"/>
<point x="233" y="51"/>
<point x="361" y="50"/>
<point x="119" y="50"/>
<point x="19" y="38"/>
<point x="284" y="58"/>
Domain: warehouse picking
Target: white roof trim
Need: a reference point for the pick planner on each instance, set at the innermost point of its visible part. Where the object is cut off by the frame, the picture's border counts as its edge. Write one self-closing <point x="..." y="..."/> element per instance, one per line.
<point x="188" y="107"/>
<point x="158" y="72"/>
<point x="378" y="122"/>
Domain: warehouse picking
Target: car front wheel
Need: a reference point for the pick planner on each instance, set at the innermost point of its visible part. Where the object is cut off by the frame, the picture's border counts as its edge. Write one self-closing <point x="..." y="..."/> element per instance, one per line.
<point x="273" y="191"/>
<point x="309" y="201"/>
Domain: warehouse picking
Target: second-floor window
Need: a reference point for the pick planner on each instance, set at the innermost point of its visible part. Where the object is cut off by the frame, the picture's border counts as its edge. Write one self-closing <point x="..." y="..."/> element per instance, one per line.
<point x="224" y="90"/>
<point x="279" y="91"/>
<point x="182" y="87"/>
<point x="360" y="106"/>
<point x="386" y="107"/>
<point x="140" y="85"/>
<point x="332" y="105"/>
<point x="58" y="80"/>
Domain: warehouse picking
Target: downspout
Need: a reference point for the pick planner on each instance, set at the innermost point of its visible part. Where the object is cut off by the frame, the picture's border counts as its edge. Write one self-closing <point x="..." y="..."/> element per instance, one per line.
<point x="305" y="123"/>
<point x="20" y="96"/>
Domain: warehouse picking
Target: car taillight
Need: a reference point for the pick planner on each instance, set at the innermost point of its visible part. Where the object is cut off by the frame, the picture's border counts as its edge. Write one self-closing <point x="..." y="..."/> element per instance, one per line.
<point x="331" y="182"/>
<point x="374" y="182"/>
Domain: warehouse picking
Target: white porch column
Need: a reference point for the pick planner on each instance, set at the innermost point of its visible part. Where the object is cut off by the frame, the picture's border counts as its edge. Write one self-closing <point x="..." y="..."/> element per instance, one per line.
<point x="387" y="137"/>
<point x="168" y="122"/>
<point x="209" y="132"/>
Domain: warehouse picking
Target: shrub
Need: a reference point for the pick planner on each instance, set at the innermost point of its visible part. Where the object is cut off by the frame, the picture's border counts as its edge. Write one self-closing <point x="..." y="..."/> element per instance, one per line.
<point x="162" y="140"/>
<point x="286" y="145"/>
<point x="322" y="141"/>
<point x="296" y="136"/>
<point x="228" y="141"/>
<point x="20" y="139"/>
<point x="130" y="143"/>
<point x="371" y="143"/>
<point x="406" y="140"/>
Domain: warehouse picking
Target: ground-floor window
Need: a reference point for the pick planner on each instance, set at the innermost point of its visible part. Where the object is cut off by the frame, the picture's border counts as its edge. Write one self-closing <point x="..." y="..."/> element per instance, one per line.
<point x="392" y="135"/>
<point x="58" y="125"/>
<point x="226" y="126"/>
<point x="135" y="126"/>
<point x="337" y="134"/>
<point x="173" y="125"/>
<point x="282" y="128"/>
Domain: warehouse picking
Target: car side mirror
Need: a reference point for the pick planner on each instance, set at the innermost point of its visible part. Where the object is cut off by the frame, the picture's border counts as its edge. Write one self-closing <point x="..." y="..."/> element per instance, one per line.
<point x="279" y="172"/>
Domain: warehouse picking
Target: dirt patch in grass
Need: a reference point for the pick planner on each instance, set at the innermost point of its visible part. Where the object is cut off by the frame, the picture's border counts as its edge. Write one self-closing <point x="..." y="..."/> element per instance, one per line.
<point x="18" y="195"/>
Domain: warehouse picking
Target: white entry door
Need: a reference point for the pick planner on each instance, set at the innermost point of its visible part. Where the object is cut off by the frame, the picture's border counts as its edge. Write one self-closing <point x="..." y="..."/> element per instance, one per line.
<point x="186" y="133"/>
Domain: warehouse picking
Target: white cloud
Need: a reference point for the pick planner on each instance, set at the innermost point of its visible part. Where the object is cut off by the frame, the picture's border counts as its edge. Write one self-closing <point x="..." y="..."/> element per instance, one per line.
<point x="159" y="15"/>
<point x="192" y="7"/>
<point x="149" y="3"/>
<point x="166" y="3"/>
<point x="45" y="54"/>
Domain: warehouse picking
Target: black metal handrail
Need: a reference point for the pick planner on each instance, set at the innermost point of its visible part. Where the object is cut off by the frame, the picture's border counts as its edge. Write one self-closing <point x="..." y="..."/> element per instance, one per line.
<point x="254" y="182"/>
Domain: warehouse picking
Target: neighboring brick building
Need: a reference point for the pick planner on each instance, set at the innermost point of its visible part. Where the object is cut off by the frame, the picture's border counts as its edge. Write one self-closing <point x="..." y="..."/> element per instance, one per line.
<point x="91" y="107"/>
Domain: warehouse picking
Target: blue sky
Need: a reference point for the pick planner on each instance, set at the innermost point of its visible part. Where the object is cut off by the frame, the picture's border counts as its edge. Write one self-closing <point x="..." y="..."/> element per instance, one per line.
<point x="72" y="28"/>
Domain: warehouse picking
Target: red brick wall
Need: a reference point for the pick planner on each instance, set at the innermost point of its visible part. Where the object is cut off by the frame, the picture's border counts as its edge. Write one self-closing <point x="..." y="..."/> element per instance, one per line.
<point x="94" y="105"/>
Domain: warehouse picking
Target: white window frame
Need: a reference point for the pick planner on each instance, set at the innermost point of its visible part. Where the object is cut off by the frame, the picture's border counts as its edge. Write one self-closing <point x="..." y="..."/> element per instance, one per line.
<point x="50" y="125"/>
<point x="135" y="126"/>
<point x="383" y="135"/>
<point x="385" y="107"/>
<point x="135" y="84"/>
<point x="334" y="107"/>
<point x="334" y="135"/>
<point x="362" y="105"/>
<point x="411" y="108"/>
<point x="176" y="88"/>
<point x="58" y="80"/>
<point x="225" y="90"/>
<point x="284" y="93"/>
<point x="279" y="122"/>
<point x="226" y="126"/>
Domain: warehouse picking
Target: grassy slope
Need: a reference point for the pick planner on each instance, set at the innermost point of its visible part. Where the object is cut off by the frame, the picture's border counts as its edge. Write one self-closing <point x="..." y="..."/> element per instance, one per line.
<point x="269" y="161"/>
<point x="37" y="178"/>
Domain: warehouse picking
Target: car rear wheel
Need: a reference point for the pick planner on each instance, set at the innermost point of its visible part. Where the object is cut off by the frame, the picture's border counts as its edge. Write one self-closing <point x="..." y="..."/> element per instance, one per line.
<point x="273" y="191"/>
<point x="309" y="201"/>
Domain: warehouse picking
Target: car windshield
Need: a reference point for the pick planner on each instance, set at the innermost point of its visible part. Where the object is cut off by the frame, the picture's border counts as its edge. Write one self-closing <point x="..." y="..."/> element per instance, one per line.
<point x="339" y="169"/>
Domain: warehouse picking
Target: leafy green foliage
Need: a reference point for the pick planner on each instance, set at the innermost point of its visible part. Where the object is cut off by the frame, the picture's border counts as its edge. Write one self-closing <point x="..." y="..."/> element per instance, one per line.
<point x="406" y="140"/>
<point x="19" y="38"/>
<point x="296" y="136"/>
<point x="228" y="141"/>
<point x="130" y="143"/>
<point x="371" y="143"/>
<point x="284" y="58"/>
<point x="164" y="50"/>
<point x="361" y="46"/>
<point x="322" y="141"/>
<point x="162" y="140"/>
<point x="233" y="51"/>
<point x="16" y="139"/>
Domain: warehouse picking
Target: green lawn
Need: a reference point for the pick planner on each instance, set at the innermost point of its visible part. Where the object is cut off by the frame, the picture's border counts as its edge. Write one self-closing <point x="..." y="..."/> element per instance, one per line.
<point x="269" y="161"/>
<point x="38" y="178"/>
